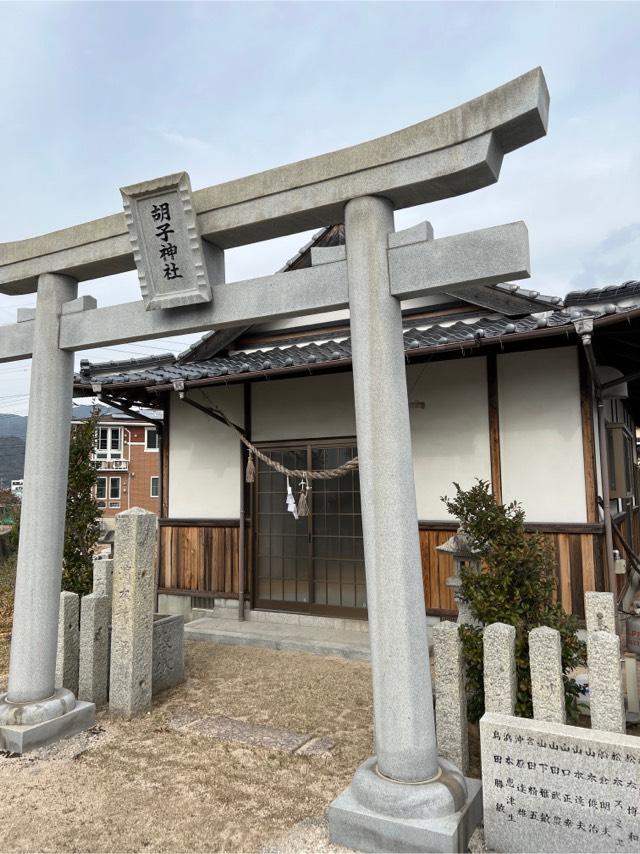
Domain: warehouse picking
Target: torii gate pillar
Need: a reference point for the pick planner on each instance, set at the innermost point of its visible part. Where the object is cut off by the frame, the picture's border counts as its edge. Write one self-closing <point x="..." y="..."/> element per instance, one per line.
<point x="404" y="798"/>
<point x="33" y="712"/>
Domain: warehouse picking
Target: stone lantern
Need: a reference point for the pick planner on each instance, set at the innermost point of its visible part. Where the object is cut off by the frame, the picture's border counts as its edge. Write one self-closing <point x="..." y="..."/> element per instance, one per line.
<point x="459" y="547"/>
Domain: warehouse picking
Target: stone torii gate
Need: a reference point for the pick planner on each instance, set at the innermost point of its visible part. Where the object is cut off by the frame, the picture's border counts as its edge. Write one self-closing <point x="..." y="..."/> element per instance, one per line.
<point x="405" y="797"/>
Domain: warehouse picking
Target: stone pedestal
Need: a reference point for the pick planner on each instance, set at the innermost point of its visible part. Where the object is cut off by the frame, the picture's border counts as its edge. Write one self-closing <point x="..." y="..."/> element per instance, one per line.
<point x="375" y="814"/>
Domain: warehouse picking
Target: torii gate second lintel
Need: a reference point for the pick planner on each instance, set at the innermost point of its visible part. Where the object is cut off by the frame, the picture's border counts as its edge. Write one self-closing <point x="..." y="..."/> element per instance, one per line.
<point x="418" y="266"/>
<point x="405" y="797"/>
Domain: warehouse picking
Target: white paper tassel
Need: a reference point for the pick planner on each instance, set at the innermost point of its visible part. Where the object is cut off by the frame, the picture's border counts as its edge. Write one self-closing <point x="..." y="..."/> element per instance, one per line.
<point x="291" y="502"/>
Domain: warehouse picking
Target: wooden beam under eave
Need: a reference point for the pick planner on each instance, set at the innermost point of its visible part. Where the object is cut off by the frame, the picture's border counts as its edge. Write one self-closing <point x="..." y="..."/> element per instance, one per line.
<point x="588" y="440"/>
<point x="494" y="427"/>
<point x="164" y="463"/>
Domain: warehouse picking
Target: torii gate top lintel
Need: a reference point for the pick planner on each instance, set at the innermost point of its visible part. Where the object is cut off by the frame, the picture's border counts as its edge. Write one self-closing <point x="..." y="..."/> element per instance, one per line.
<point x="450" y="154"/>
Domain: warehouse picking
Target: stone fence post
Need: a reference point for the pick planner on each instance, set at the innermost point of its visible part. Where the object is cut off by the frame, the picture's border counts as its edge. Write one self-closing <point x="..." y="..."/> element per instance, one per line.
<point x="103" y="580"/>
<point x="132" y="614"/>
<point x="547" y="684"/>
<point x="500" y="685"/>
<point x="68" y="642"/>
<point x="605" y="682"/>
<point x="94" y="649"/>
<point x="451" y="697"/>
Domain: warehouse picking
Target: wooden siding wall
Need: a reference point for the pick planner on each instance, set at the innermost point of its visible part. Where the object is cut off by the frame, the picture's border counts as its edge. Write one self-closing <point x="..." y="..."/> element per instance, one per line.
<point x="579" y="555"/>
<point x="199" y="556"/>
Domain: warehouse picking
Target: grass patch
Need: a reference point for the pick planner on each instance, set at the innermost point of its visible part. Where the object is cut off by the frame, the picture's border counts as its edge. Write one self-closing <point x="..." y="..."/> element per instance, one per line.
<point x="7" y="585"/>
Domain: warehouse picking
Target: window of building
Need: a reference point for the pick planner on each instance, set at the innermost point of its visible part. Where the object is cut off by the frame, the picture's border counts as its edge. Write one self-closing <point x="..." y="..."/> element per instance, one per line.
<point x="114" y="492"/>
<point x="151" y="439"/>
<point x="621" y="463"/>
<point x="155" y="487"/>
<point x="108" y="443"/>
<point x="101" y="491"/>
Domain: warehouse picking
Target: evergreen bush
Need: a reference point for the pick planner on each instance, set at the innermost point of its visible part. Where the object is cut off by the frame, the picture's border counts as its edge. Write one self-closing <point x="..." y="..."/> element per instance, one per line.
<point x="82" y="528"/>
<point x="516" y="584"/>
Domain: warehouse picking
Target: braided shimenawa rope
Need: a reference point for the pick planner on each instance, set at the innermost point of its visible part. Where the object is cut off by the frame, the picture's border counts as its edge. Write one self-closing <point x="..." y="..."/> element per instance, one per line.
<point x="328" y="474"/>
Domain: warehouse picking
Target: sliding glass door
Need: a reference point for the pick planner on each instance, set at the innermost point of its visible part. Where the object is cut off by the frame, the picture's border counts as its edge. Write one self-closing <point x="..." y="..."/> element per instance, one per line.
<point x="313" y="564"/>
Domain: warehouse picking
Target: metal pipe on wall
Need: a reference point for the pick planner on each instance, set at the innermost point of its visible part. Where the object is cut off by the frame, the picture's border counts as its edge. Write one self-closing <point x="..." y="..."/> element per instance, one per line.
<point x="585" y="337"/>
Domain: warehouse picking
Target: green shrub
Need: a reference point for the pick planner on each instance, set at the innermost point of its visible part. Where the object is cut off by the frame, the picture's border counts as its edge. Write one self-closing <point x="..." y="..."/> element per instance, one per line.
<point x="515" y="585"/>
<point x="81" y="528"/>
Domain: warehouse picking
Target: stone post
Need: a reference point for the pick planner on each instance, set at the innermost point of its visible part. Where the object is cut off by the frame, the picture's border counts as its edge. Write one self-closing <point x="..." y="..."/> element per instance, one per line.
<point x="132" y="614"/>
<point x="500" y="683"/>
<point x="400" y="795"/>
<point x="32" y="701"/>
<point x="103" y="581"/>
<point x="605" y="682"/>
<point x="67" y="657"/>
<point x="451" y="696"/>
<point x="403" y="710"/>
<point x="94" y="649"/>
<point x="600" y="612"/>
<point x="547" y="686"/>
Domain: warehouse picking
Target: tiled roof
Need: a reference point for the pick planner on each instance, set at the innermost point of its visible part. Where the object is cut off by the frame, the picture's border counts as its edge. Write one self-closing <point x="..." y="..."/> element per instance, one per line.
<point x="611" y="293"/>
<point x="424" y="336"/>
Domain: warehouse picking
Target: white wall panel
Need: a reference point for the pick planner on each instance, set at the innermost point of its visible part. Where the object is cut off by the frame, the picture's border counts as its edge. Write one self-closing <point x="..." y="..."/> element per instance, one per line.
<point x="541" y="434"/>
<point x="204" y="457"/>
<point x="451" y="434"/>
<point x="303" y="408"/>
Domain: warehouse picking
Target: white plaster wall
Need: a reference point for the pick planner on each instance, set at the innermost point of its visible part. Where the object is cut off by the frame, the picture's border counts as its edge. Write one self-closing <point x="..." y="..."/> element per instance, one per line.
<point x="541" y="434"/>
<point x="204" y="457"/>
<point x="450" y="435"/>
<point x="315" y="407"/>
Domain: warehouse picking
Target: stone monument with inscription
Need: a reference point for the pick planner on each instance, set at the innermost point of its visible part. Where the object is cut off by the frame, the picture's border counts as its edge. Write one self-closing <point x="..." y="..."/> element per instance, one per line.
<point x="551" y="787"/>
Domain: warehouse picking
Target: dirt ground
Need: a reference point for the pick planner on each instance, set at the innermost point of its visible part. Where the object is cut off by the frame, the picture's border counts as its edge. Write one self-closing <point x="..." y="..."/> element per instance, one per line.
<point x="145" y="786"/>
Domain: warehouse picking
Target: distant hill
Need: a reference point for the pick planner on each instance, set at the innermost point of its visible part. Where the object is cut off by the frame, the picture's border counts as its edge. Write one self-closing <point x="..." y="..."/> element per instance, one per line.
<point x="13" y="425"/>
<point x="11" y="459"/>
<point x="13" y="431"/>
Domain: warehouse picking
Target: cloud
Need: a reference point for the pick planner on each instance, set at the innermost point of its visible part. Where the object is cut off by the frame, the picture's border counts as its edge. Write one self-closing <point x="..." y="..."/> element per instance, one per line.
<point x="613" y="260"/>
<point x="188" y="143"/>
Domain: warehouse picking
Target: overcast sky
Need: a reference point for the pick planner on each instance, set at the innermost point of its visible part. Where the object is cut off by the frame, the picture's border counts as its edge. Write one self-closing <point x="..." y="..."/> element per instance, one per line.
<point x="94" y="96"/>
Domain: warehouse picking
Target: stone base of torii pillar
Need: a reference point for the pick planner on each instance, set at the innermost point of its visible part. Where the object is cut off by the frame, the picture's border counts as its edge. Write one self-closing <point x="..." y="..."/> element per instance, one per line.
<point x="405" y="798"/>
<point x="376" y="814"/>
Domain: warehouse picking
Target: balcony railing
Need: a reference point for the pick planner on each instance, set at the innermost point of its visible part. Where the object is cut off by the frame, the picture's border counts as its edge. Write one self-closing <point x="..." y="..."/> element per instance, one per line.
<point x="112" y="465"/>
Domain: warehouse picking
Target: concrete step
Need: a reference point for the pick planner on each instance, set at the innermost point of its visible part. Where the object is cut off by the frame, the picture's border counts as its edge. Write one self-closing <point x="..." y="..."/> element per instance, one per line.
<point x="284" y="636"/>
<point x="281" y="636"/>
<point x="230" y="612"/>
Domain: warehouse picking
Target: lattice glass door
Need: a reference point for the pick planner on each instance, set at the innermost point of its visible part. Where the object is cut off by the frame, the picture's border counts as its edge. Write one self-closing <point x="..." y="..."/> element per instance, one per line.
<point x="314" y="564"/>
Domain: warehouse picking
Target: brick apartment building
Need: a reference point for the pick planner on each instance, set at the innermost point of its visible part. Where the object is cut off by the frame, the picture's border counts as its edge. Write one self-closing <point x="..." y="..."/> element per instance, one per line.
<point x="127" y="455"/>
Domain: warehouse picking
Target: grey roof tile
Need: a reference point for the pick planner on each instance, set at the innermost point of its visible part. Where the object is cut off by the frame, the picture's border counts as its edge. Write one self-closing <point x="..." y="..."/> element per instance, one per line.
<point x="485" y="328"/>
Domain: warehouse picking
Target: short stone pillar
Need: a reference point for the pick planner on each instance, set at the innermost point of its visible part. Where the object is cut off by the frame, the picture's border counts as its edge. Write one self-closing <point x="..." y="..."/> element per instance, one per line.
<point x="68" y="642"/>
<point x="547" y="684"/>
<point x="132" y="614"/>
<point x="500" y="683"/>
<point x="103" y="581"/>
<point x="605" y="682"/>
<point x="451" y="697"/>
<point x="600" y="612"/>
<point x="94" y="649"/>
